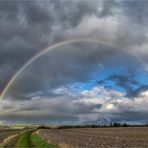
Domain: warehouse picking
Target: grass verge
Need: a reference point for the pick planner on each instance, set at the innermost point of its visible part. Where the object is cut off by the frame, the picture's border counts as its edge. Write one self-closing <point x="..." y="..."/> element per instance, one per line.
<point x="38" y="142"/>
<point x="23" y="141"/>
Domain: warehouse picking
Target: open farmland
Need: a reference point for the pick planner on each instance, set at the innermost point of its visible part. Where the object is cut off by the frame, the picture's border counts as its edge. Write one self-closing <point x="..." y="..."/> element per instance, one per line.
<point x="96" y="137"/>
<point x="5" y="133"/>
<point x="105" y="137"/>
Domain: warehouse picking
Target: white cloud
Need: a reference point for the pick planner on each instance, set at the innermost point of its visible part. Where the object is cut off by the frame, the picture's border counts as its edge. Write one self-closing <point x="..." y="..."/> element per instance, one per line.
<point x="96" y="28"/>
<point x="89" y="106"/>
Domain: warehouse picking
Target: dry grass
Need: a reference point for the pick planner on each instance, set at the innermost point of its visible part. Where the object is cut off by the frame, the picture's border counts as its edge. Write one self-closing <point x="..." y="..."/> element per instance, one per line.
<point x="130" y="137"/>
<point x="6" y="133"/>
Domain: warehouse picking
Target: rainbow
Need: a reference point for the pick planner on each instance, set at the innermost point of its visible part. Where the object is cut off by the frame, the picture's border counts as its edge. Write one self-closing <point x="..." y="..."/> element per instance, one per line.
<point x="42" y="53"/>
<point x="37" y="56"/>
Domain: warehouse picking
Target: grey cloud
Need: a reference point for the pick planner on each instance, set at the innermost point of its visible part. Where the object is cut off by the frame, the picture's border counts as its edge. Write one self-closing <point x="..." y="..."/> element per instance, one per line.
<point x="131" y="117"/>
<point x="47" y="110"/>
<point x="135" y="116"/>
<point x="133" y="30"/>
<point x="34" y="118"/>
<point x="136" y="10"/>
<point x="36" y="15"/>
<point x="71" y="16"/>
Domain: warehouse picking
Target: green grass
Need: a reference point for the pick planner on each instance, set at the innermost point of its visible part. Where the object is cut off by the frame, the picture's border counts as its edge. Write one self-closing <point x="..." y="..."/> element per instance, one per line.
<point x="23" y="141"/>
<point x="27" y="140"/>
<point x="38" y="142"/>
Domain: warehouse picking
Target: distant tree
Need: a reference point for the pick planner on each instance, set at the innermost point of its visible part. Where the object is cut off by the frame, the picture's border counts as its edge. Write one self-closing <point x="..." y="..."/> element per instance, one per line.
<point x="43" y="127"/>
<point x="125" y="125"/>
<point x="116" y="124"/>
<point x="104" y="125"/>
<point x="93" y="126"/>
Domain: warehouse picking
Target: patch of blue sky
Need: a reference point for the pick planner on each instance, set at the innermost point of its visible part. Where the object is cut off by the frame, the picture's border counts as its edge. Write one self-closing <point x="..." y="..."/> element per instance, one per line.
<point x="142" y="77"/>
<point x="112" y="85"/>
<point x="101" y="74"/>
<point x="107" y="71"/>
<point x="95" y="77"/>
<point x="80" y="86"/>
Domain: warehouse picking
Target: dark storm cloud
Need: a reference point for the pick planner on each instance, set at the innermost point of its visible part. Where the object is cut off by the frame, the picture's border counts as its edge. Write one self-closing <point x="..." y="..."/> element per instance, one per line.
<point x="18" y="43"/>
<point x="27" y="27"/>
<point x="135" y="116"/>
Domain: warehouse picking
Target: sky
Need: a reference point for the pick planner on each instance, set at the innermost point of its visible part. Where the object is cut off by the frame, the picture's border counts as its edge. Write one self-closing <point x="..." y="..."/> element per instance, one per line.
<point x="73" y="61"/>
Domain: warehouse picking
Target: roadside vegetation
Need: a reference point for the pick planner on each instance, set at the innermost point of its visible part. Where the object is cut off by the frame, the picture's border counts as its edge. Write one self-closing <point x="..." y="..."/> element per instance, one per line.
<point x="28" y="139"/>
<point x="38" y="142"/>
<point x="23" y="140"/>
